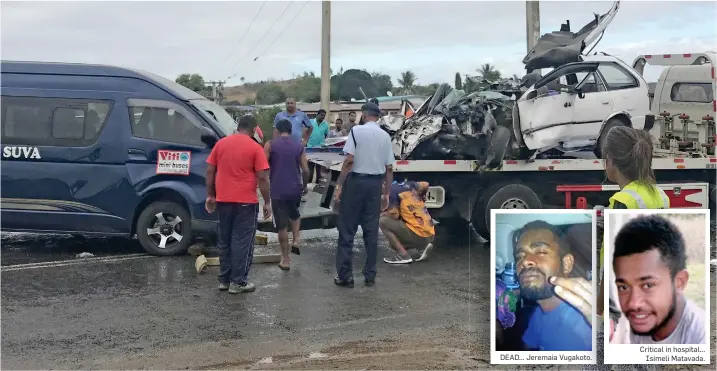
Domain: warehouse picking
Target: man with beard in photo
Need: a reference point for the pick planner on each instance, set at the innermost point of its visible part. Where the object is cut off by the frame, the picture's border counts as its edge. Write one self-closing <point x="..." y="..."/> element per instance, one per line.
<point x="649" y="262"/>
<point x="562" y="320"/>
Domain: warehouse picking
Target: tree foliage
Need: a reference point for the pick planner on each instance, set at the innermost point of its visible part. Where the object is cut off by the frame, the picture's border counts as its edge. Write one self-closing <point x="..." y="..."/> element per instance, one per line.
<point x="270" y="94"/>
<point x="407" y="82"/>
<point x="305" y="89"/>
<point x="488" y="72"/>
<point x="265" y="120"/>
<point x="194" y="82"/>
<point x="346" y="85"/>
<point x="383" y="83"/>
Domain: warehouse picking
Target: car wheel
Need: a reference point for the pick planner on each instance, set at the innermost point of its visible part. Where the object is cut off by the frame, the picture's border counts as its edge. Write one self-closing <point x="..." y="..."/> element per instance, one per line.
<point x="506" y="196"/>
<point x="164" y="228"/>
<point x="613" y="122"/>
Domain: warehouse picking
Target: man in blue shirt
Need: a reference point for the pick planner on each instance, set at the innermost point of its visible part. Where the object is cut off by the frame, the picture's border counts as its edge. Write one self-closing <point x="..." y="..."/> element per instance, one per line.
<point x="319" y="133"/>
<point x="562" y="321"/>
<point x="300" y="123"/>
<point x="320" y="130"/>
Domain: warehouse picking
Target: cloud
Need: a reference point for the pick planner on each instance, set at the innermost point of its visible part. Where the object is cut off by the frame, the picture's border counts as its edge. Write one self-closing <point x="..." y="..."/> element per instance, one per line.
<point x="435" y="39"/>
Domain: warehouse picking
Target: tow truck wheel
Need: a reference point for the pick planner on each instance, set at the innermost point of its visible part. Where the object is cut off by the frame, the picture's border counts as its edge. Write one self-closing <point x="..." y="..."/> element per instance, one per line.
<point x="164" y="228"/>
<point x="502" y="196"/>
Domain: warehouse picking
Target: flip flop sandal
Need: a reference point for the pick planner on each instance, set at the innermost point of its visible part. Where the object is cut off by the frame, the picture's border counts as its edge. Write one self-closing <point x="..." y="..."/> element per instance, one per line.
<point x="295" y="250"/>
<point x="284" y="267"/>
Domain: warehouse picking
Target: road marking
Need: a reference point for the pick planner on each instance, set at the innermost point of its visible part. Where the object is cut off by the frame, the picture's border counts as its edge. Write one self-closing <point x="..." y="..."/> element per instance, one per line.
<point x="79" y="261"/>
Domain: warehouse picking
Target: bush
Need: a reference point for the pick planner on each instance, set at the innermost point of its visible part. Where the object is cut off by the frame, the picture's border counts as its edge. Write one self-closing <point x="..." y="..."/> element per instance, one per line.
<point x="265" y="121"/>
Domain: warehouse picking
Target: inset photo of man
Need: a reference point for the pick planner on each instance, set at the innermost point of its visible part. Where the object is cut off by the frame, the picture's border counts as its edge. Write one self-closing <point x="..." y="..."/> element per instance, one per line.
<point x="543" y="307"/>
<point x="657" y="269"/>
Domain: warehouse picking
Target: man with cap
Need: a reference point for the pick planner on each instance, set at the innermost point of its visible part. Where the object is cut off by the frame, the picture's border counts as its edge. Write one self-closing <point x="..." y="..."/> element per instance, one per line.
<point x="367" y="166"/>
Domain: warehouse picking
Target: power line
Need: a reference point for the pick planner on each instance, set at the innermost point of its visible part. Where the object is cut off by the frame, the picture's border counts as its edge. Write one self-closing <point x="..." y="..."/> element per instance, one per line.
<point x="246" y="32"/>
<point x="260" y="40"/>
<point x="282" y="31"/>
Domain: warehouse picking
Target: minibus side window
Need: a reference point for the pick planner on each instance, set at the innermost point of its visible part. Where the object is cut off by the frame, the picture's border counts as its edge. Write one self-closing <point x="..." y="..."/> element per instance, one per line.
<point x="52" y="121"/>
<point x="162" y="124"/>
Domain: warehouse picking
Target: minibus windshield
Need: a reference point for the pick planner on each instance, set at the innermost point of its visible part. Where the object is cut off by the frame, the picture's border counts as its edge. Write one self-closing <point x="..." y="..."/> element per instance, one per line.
<point x="225" y="122"/>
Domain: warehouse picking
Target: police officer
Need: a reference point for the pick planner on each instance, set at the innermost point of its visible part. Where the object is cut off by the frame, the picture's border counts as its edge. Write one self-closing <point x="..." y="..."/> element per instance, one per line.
<point x="367" y="166"/>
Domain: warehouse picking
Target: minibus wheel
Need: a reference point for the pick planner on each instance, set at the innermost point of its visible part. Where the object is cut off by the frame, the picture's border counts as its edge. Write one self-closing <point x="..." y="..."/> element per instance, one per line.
<point x="164" y="228"/>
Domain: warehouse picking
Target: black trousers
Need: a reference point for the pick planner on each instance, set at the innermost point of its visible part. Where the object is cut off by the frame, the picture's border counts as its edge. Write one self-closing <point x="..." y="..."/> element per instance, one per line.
<point x="314" y="169"/>
<point x="235" y="240"/>
<point x="360" y="205"/>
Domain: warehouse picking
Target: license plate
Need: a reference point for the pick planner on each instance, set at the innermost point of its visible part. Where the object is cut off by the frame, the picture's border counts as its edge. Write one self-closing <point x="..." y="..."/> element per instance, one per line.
<point x="435" y="198"/>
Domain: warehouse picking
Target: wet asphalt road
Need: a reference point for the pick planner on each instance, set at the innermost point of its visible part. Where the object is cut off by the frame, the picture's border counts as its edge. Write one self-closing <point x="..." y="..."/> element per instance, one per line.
<point x="149" y="312"/>
<point x="123" y="309"/>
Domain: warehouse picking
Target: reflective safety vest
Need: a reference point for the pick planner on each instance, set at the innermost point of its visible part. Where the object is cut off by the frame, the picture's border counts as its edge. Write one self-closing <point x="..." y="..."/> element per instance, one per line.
<point x="638" y="196"/>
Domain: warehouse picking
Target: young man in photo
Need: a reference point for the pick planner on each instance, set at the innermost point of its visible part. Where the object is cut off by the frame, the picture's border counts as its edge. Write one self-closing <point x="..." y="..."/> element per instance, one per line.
<point x="562" y="320"/>
<point x="649" y="261"/>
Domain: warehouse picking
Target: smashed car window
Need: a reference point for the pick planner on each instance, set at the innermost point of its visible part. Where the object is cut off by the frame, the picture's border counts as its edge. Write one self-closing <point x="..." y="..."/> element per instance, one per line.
<point x="616" y="78"/>
<point x="565" y="79"/>
<point x="589" y="83"/>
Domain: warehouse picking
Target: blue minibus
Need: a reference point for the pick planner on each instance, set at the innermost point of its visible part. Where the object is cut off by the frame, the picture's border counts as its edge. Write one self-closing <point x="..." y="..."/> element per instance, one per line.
<point x="102" y="150"/>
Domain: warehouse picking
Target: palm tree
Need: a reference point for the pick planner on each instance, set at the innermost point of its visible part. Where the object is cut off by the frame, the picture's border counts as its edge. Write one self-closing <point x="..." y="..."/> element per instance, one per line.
<point x="407" y="81"/>
<point x="488" y="72"/>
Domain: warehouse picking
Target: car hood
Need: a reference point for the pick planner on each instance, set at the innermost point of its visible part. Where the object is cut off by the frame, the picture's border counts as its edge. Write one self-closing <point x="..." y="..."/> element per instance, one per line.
<point x="560" y="47"/>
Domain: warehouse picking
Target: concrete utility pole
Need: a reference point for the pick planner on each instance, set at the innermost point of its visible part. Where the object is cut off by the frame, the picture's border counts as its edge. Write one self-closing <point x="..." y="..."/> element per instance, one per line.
<point x="216" y="87"/>
<point x="326" y="56"/>
<point x="532" y="23"/>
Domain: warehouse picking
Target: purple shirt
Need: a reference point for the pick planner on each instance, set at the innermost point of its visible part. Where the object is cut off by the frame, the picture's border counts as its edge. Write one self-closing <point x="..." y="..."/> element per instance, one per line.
<point x="285" y="169"/>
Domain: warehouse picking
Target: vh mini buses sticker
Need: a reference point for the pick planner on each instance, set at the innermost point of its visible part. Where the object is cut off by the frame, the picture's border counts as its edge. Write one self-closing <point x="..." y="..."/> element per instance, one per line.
<point x="173" y="162"/>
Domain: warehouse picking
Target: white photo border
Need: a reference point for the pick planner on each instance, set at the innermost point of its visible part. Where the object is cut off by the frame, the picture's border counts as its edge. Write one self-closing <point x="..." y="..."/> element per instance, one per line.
<point x="617" y="354"/>
<point x="530" y="357"/>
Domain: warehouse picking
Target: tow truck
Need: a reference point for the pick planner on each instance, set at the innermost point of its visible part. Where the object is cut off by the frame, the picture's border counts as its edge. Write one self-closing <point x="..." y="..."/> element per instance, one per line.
<point x="462" y="193"/>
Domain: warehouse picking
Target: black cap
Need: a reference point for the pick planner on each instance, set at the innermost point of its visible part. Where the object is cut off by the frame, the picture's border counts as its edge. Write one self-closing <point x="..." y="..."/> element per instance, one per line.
<point x="371" y="108"/>
<point x="374" y="101"/>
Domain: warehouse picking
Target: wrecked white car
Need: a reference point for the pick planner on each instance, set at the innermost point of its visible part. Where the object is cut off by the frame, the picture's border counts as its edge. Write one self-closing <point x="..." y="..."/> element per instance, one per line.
<point x="579" y="102"/>
<point x="584" y="96"/>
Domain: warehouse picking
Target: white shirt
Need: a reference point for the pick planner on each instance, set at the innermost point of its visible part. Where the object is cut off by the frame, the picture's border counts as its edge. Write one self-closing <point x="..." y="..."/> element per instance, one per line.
<point x="690" y="330"/>
<point x="372" y="151"/>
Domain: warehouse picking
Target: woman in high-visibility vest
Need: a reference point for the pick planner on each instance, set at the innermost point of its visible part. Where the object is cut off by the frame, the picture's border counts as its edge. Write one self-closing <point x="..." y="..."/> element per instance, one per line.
<point x="628" y="162"/>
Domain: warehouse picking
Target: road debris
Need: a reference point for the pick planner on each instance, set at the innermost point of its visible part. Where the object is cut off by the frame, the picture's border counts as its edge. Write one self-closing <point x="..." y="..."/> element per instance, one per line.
<point x="266" y="360"/>
<point x="200" y="263"/>
<point x="85" y="255"/>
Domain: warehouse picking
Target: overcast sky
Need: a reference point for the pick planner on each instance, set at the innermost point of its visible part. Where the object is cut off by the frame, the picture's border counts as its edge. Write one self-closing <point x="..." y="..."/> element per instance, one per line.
<point x="433" y="39"/>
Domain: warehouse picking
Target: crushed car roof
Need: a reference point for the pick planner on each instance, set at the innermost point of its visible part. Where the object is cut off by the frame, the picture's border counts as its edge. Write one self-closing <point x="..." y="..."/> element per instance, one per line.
<point x="560" y="47"/>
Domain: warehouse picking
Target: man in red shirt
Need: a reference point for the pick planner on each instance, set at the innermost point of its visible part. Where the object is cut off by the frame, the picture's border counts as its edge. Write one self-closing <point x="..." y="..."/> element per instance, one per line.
<point x="235" y="166"/>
